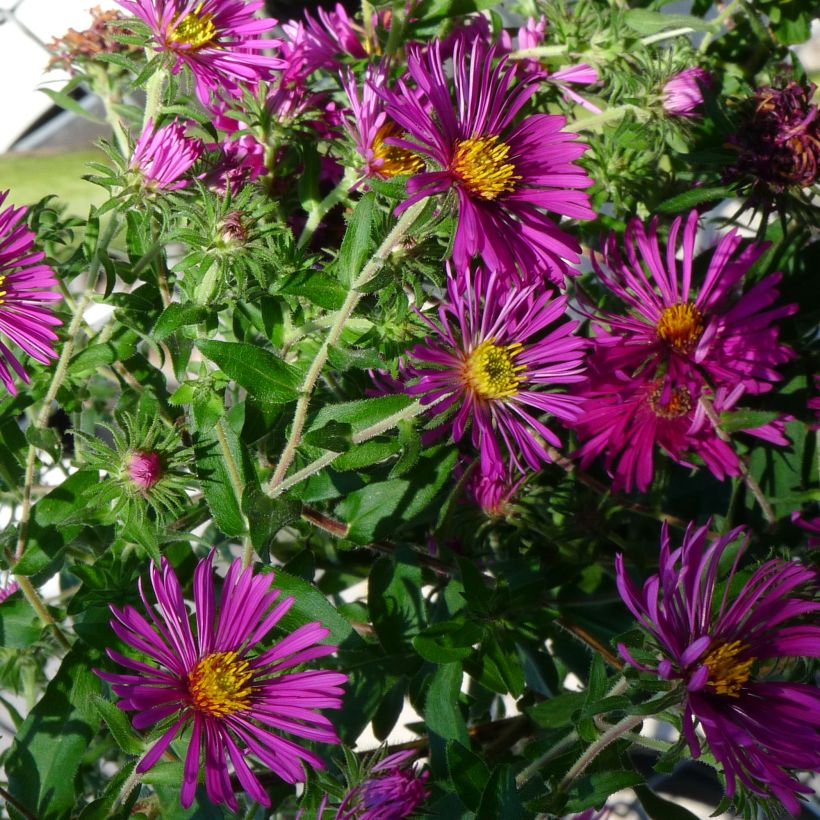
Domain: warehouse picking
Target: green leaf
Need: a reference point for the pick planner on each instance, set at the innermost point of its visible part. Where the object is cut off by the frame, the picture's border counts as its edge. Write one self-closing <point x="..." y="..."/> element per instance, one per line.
<point x="694" y="196"/>
<point x="345" y="358"/>
<point x="737" y="420"/>
<point x="394" y="598"/>
<point x="448" y="641"/>
<point x="176" y="316"/>
<point x="441" y="712"/>
<point x="67" y="500"/>
<point x="659" y="809"/>
<point x="468" y="773"/>
<point x="593" y="789"/>
<point x="361" y="414"/>
<point x="389" y="709"/>
<point x="650" y="22"/>
<point x="367" y="453"/>
<point x="265" y="377"/>
<point x="20" y="626"/>
<point x="47" y="751"/>
<point x="310" y="604"/>
<point x="335" y="436"/>
<point x="356" y="243"/>
<point x="66" y="101"/>
<point x="501" y="798"/>
<point x="316" y="287"/>
<point x="215" y="477"/>
<point x="103" y="807"/>
<point x="119" y="726"/>
<point x="557" y="712"/>
<point x="266" y="516"/>
<point x="368" y="512"/>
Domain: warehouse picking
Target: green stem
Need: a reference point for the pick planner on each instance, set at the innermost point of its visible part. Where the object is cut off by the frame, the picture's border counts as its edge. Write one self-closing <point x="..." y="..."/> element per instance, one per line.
<point x="314" y="371"/>
<point x="539" y="51"/>
<point x="666" y="35"/>
<point x="320" y="209"/>
<point x="717" y="23"/>
<point x="609" y="736"/>
<point x="235" y="478"/>
<point x="130" y="784"/>
<point x="153" y="96"/>
<point x="37" y="604"/>
<point x="320" y="463"/>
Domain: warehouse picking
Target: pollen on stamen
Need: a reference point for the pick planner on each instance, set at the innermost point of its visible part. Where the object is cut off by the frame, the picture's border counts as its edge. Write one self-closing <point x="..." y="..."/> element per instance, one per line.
<point x="482" y="165"/>
<point x="395" y="160"/>
<point x="681" y="326"/>
<point x="727" y="675"/>
<point x="194" y="30"/>
<point x="218" y="684"/>
<point x="491" y="372"/>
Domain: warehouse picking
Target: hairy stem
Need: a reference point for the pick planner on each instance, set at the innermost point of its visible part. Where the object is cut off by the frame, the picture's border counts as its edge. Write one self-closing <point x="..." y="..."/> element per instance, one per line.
<point x="609" y="736"/>
<point x="37" y="604"/>
<point x="153" y="95"/>
<point x="314" y="371"/>
<point x="380" y="427"/>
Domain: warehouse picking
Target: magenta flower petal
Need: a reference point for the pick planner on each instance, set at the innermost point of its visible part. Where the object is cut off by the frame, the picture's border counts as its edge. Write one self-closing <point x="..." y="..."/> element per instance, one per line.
<point x="215" y="681"/>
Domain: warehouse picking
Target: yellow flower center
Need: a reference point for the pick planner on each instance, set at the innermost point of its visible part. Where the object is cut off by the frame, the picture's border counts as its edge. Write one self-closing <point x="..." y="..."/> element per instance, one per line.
<point x="395" y="160"/>
<point x="218" y="684"/>
<point x="2" y="292"/>
<point x="726" y="675"/>
<point x="681" y="326"/>
<point x="482" y="165"/>
<point x="678" y="402"/>
<point x="195" y="30"/>
<point x="490" y="370"/>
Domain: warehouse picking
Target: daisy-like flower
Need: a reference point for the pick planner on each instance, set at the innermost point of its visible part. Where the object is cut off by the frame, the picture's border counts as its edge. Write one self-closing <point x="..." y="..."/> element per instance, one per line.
<point x="717" y="642"/>
<point x="163" y="156"/>
<point x="25" y="289"/>
<point x="218" y="40"/>
<point x="332" y="35"/>
<point x="215" y="679"/>
<point x="715" y="329"/>
<point x="504" y="177"/>
<point x="625" y="418"/>
<point x="370" y="128"/>
<point x="682" y="94"/>
<point x="392" y="791"/>
<point x="490" y="355"/>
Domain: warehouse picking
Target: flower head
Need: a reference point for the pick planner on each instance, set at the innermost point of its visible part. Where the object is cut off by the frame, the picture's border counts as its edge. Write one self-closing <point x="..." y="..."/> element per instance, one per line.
<point x="218" y="40"/>
<point x="627" y="417"/>
<point x="163" y="156"/>
<point x="214" y="678"/>
<point x="490" y="356"/>
<point x="504" y="177"/>
<point x="682" y="94"/>
<point x="25" y="285"/>
<point x="714" y="643"/>
<point x="392" y="791"/>
<point x="714" y="329"/>
<point x="778" y="142"/>
<point x="370" y="128"/>
<point x="495" y="494"/>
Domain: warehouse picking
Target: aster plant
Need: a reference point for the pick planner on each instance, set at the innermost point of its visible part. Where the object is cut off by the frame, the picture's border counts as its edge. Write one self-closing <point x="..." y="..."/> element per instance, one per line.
<point x="336" y="386"/>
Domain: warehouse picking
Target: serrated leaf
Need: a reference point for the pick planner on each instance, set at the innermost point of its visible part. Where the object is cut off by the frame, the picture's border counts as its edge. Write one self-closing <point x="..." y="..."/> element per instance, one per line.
<point x="356" y="243"/>
<point x="176" y="316"/>
<point x="47" y="751"/>
<point x="265" y="377"/>
<point x="119" y="726"/>
<point x="693" y="197"/>
<point x="468" y="772"/>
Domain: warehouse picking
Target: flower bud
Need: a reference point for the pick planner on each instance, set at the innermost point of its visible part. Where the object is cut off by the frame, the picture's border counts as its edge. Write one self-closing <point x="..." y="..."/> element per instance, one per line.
<point x="144" y="469"/>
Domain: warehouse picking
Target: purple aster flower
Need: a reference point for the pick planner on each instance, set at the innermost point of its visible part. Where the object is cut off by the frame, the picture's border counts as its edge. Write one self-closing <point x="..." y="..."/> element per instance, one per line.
<point x="715" y="329"/>
<point x="162" y="156"/>
<point x="392" y="791"/>
<point x="370" y="128"/>
<point x="682" y="94"/>
<point x="778" y="140"/>
<point x="218" y="40"/>
<point x="490" y="355"/>
<point x="713" y="639"/>
<point x="625" y="418"/>
<point x="493" y="493"/>
<point x="332" y="35"/>
<point x="25" y="285"/>
<point x="809" y="525"/>
<point x="7" y="589"/>
<point x="577" y="74"/>
<point x="241" y="160"/>
<point x="504" y="176"/>
<point x="215" y="679"/>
